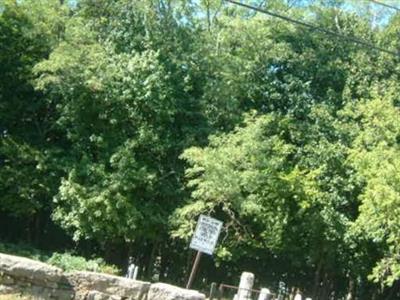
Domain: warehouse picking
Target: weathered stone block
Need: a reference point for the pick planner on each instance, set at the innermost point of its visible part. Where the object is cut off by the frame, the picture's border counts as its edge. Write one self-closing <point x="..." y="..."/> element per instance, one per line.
<point x="6" y="290"/>
<point x="162" y="291"/>
<point x="96" y="295"/>
<point x="42" y="281"/>
<point x="108" y="284"/>
<point x="31" y="270"/>
<point x="6" y="280"/>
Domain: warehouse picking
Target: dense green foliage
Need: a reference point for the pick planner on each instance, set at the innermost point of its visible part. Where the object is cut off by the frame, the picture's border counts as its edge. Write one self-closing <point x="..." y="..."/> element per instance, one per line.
<point x="122" y="121"/>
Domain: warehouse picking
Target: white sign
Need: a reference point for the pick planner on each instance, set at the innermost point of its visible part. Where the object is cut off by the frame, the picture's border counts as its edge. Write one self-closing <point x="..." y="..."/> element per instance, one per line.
<point x="206" y="234"/>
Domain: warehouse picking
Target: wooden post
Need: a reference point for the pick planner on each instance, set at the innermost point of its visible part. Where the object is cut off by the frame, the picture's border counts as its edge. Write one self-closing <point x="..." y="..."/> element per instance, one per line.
<point x="194" y="269"/>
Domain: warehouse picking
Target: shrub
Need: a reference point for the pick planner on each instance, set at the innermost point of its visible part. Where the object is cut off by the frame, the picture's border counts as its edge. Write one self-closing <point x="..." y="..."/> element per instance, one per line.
<point x="69" y="262"/>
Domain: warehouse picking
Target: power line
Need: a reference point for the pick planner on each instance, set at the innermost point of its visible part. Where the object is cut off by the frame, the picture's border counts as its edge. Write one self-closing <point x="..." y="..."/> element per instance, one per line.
<point x="384" y="4"/>
<point x="314" y="27"/>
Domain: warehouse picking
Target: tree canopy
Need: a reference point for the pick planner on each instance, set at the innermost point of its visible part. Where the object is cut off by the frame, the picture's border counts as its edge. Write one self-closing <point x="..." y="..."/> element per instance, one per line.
<point x="122" y="121"/>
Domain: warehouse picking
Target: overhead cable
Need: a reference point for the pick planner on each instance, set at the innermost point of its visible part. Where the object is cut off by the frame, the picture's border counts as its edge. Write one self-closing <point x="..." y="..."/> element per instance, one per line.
<point x="314" y="27"/>
<point x="384" y="4"/>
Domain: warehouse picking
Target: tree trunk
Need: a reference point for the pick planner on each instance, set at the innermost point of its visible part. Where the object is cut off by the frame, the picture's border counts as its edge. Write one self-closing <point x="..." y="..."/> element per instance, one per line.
<point x="190" y="259"/>
<point x="38" y="231"/>
<point x="393" y="291"/>
<point x="292" y="293"/>
<point x="350" y="293"/>
<point x="317" y="279"/>
<point x="150" y="263"/>
<point x="325" y="287"/>
<point x="163" y="263"/>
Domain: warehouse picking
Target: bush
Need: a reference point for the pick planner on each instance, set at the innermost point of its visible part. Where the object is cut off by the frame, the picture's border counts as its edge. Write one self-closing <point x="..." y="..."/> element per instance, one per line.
<point x="69" y="262"/>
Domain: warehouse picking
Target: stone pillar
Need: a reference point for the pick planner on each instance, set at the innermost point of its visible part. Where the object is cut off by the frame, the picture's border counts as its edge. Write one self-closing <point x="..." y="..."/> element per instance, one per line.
<point x="265" y="294"/>
<point x="245" y="286"/>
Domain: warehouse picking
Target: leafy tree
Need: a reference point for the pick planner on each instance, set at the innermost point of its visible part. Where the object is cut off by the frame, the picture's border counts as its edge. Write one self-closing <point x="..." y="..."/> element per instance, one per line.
<point x="28" y="32"/>
<point x="375" y="155"/>
<point x="126" y="104"/>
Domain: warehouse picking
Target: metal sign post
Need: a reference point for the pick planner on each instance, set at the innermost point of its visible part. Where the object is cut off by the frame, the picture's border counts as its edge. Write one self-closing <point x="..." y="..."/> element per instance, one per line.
<point x="204" y="240"/>
<point x="194" y="270"/>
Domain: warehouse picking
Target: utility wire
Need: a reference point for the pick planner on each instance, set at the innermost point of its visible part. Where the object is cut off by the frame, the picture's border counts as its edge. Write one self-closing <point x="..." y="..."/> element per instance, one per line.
<point x="384" y="4"/>
<point x="314" y="27"/>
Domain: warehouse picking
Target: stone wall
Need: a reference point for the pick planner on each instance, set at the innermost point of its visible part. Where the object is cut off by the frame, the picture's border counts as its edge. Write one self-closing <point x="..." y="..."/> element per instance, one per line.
<point x="42" y="281"/>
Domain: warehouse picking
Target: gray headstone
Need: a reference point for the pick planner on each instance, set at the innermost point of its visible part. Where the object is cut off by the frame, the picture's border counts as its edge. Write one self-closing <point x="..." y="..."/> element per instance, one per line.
<point x="131" y="271"/>
<point x="298" y="297"/>
<point x="135" y="273"/>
